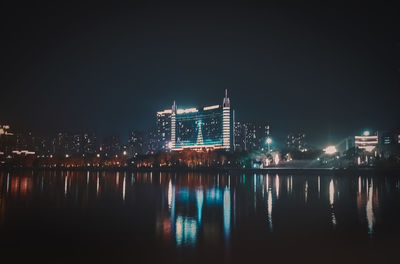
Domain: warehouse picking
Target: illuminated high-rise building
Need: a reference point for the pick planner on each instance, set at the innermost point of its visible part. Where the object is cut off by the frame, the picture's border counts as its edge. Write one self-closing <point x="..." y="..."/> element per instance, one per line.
<point x="367" y="141"/>
<point x="163" y="129"/>
<point x="208" y="127"/>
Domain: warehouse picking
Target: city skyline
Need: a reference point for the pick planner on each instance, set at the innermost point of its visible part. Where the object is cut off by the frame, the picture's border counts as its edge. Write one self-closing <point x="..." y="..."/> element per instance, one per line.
<point x="327" y="70"/>
<point x="199" y="131"/>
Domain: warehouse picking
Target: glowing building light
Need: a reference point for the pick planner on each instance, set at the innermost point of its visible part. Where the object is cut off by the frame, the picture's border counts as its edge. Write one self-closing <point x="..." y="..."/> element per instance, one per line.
<point x="276" y="159"/>
<point x="211" y="107"/>
<point x="188" y="110"/>
<point x="330" y="150"/>
<point x="165" y="112"/>
<point x="366" y="133"/>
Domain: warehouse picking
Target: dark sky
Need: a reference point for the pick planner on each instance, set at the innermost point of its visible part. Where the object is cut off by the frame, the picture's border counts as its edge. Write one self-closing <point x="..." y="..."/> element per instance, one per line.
<point x="328" y="69"/>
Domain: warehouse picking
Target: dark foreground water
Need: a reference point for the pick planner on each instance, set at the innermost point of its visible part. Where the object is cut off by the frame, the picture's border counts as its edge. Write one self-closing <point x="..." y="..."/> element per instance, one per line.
<point x="117" y="217"/>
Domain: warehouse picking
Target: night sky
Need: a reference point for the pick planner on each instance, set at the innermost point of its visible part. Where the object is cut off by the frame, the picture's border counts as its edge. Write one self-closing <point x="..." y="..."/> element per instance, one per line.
<point x="329" y="70"/>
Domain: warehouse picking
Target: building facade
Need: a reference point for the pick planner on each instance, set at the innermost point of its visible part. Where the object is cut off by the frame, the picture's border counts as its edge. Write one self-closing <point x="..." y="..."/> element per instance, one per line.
<point x="296" y="141"/>
<point x="209" y="127"/>
<point x="163" y="129"/>
<point x="250" y="136"/>
<point x="389" y="143"/>
<point x="367" y="141"/>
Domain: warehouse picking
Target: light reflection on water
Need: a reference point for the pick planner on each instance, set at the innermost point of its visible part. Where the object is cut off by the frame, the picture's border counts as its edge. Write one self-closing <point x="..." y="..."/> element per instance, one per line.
<point x="192" y="208"/>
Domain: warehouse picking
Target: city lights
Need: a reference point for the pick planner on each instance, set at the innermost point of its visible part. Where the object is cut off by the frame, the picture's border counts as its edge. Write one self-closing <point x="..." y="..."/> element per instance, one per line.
<point x="119" y="142"/>
<point x="330" y="150"/>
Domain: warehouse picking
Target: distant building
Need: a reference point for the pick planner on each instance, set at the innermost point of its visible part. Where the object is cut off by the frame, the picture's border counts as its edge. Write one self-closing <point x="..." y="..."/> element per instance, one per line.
<point x="5" y="130"/>
<point x="296" y="141"/>
<point x="389" y="143"/>
<point x="62" y="144"/>
<point x="150" y="141"/>
<point x="239" y="134"/>
<point x="366" y="141"/>
<point x="250" y="136"/>
<point x="90" y="144"/>
<point x="135" y="143"/>
<point x="348" y="143"/>
<point x="163" y="129"/>
<point x="7" y="140"/>
<point x="112" y="146"/>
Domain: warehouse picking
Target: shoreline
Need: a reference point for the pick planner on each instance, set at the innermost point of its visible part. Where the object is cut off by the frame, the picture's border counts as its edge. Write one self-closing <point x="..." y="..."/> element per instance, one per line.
<point x="282" y="170"/>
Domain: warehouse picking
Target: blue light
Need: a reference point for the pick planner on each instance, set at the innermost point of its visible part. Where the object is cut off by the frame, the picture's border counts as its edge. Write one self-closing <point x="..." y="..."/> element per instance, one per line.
<point x="227" y="212"/>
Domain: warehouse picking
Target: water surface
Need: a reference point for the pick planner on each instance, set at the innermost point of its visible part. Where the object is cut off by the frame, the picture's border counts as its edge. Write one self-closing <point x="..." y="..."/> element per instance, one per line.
<point x="88" y="217"/>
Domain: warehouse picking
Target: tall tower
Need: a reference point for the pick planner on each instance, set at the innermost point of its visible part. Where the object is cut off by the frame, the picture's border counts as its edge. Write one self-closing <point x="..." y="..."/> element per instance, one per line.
<point x="226" y="122"/>
<point x="173" y="126"/>
<point x="199" y="140"/>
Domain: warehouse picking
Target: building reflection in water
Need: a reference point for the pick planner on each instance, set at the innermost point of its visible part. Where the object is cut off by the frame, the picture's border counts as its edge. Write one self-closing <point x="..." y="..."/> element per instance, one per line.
<point x="269" y="203"/>
<point x="193" y="207"/>
<point x="124" y="188"/>
<point x="227" y="212"/>
<point x="190" y="192"/>
<point x="277" y="186"/>
<point x="97" y="185"/>
<point x="199" y="202"/>
<point x="255" y="191"/>
<point x="305" y="191"/>
<point x="367" y="202"/>
<point x="186" y="231"/>
<point x="332" y="201"/>
<point x="369" y="208"/>
<point x="66" y="185"/>
<point x="319" y="187"/>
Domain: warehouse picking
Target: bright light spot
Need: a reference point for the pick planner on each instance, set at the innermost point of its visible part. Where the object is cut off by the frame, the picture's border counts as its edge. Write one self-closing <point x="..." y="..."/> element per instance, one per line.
<point x="66" y="155"/>
<point x="366" y="133"/>
<point x="98" y="155"/>
<point x="276" y="159"/>
<point x="188" y="110"/>
<point x="330" y="150"/>
<point x="269" y="140"/>
<point x="227" y="212"/>
<point x="331" y="192"/>
<point x="369" y="148"/>
<point x="124" y="152"/>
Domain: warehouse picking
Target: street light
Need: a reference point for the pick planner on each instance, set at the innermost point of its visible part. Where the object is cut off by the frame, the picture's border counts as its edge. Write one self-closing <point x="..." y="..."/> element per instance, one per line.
<point x="269" y="141"/>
